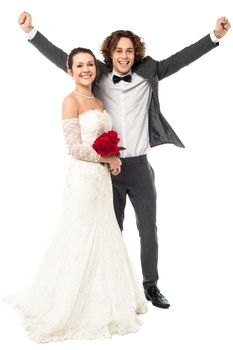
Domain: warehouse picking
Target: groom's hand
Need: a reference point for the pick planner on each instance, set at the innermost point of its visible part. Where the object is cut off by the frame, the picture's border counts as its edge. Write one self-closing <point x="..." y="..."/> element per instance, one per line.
<point x="222" y="27"/>
<point x="25" y="22"/>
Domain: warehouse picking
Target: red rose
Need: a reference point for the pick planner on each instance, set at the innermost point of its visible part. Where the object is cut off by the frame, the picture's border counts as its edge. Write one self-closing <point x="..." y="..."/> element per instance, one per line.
<point x="106" y="144"/>
<point x="113" y="136"/>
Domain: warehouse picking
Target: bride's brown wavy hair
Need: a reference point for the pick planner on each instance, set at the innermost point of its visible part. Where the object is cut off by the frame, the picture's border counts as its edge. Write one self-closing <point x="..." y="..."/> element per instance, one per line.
<point x="110" y="43"/>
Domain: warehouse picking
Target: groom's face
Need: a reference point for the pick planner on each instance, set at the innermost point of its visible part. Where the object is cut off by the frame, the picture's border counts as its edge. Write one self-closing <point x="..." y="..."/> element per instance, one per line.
<point x="123" y="56"/>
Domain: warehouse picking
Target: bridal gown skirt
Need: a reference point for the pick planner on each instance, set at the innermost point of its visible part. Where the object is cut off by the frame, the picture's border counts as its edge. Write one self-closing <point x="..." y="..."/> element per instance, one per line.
<point x="85" y="287"/>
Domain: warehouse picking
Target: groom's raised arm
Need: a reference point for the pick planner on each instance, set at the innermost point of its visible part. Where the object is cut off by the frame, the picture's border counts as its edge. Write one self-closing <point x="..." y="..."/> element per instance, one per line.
<point x="191" y="53"/>
<point x="184" y="57"/>
<point x="50" y="51"/>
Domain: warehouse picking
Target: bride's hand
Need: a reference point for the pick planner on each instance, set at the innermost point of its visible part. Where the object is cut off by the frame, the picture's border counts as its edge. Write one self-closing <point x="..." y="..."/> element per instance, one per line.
<point x="115" y="166"/>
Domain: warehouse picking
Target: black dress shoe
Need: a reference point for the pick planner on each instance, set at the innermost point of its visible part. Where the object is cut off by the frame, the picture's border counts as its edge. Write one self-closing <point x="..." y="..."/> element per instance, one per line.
<point x="153" y="294"/>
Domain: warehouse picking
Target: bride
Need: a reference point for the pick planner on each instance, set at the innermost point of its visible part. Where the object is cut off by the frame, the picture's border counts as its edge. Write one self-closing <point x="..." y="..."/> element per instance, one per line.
<point x="85" y="287"/>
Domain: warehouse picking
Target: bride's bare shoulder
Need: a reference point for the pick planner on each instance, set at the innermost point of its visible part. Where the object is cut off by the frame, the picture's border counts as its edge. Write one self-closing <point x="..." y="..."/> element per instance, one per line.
<point x="70" y="107"/>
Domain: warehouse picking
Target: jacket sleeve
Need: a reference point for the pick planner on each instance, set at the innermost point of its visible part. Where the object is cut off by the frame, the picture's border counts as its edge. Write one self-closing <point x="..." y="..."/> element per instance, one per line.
<point x="50" y="51"/>
<point x="184" y="57"/>
<point x="56" y="55"/>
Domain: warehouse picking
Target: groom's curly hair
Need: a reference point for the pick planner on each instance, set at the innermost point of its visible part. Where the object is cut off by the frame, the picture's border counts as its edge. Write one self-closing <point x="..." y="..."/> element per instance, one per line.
<point x="110" y="43"/>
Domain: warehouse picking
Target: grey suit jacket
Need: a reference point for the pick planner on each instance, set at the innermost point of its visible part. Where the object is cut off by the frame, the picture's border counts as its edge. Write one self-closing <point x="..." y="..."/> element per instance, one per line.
<point x="160" y="131"/>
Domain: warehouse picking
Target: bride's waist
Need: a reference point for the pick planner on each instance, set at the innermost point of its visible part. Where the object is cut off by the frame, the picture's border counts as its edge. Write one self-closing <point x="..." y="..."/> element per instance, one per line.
<point x="85" y="163"/>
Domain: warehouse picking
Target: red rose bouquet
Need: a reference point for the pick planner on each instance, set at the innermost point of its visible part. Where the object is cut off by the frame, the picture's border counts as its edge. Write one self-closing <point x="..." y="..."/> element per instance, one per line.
<point x="107" y="144"/>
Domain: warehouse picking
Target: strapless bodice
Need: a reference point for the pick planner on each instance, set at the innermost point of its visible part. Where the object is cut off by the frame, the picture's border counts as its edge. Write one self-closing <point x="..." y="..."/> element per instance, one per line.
<point x="93" y="123"/>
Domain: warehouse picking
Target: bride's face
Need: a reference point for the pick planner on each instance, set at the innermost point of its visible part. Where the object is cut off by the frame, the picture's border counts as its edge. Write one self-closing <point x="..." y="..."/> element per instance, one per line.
<point x="83" y="69"/>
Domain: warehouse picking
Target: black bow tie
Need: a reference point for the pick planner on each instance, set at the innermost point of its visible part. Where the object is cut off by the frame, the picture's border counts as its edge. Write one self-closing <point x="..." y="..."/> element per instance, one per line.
<point x="116" y="78"/>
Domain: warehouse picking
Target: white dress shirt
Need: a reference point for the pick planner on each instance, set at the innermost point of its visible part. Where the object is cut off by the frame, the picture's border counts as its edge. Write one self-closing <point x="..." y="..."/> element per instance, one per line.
<point x="128" y="105"/>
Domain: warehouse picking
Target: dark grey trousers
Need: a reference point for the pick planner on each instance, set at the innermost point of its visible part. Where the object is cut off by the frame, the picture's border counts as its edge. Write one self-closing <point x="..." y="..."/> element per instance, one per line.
<point x="137" y="181"/>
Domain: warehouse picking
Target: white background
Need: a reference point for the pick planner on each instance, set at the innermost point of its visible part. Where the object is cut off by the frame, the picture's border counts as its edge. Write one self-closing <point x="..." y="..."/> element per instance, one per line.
<point x="194" y="184"/>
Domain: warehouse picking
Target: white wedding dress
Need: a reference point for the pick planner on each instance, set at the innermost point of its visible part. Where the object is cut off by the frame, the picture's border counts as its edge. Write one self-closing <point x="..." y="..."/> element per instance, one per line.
<point x="85" y="287"/>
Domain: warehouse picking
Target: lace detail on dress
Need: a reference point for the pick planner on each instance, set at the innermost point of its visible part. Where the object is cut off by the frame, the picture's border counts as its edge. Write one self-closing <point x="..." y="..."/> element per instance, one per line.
<point x="72" y="134"/>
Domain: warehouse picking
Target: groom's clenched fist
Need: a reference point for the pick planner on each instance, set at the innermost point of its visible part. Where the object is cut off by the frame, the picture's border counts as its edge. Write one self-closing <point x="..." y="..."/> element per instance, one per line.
<point x="25" y="22"/>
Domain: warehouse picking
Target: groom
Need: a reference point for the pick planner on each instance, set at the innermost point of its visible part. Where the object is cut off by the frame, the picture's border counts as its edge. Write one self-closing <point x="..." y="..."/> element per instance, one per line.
<point x="128" y="86"/>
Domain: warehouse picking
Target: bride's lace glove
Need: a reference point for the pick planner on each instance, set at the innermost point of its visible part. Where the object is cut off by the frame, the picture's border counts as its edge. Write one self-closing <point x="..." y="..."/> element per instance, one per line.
<point x="77" y="149"/>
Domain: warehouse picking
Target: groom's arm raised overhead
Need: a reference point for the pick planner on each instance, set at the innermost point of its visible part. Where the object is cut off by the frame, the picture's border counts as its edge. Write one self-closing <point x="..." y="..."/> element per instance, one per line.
<point x="50" y="51"/>
<point x="165" y="67"/>
<point x="191" y="53"/>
